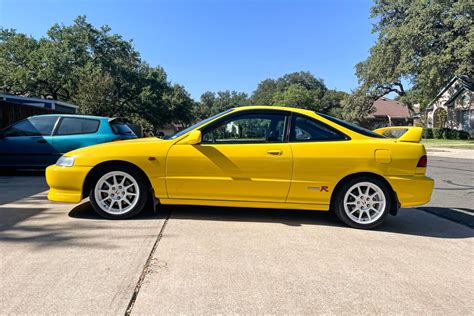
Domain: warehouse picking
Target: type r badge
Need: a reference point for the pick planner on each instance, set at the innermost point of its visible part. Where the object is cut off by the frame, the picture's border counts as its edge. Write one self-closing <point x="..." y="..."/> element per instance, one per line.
<point x="323" y="188"/>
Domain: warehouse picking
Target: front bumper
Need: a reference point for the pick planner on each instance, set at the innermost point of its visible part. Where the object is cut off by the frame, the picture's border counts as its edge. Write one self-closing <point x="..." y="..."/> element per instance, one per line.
<point x="66" y="183"/>
<point x="412" y="190"/>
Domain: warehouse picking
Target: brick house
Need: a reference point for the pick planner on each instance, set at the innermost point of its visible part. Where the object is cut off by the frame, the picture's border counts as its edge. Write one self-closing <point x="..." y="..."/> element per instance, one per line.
<point x="453" y="107"/>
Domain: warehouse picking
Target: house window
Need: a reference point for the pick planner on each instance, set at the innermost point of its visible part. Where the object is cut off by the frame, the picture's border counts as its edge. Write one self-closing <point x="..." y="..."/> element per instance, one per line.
<point x="464" y="120"/>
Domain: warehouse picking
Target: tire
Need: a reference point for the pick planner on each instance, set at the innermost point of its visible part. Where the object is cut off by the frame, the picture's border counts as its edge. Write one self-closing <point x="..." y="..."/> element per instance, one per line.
<point x="119" y="192"/>
<point x="354" y="207"/>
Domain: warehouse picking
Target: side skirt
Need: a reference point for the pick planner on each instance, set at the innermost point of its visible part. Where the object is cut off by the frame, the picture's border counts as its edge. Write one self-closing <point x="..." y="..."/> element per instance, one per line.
<point x="251" y="204"/>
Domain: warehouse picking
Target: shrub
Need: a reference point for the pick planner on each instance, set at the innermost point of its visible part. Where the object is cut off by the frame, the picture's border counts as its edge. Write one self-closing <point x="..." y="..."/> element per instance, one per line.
<point x="462" y="135"/>
<point x="427" y="133"/>
<point x="449" y="133"/>
<point x="437" y="133"/>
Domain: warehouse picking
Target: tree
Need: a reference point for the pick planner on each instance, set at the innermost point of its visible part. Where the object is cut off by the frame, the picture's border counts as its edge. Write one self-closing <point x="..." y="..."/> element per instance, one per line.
<point x="89" y="66"/>
<point x="296" y="95"/>
<point x="212" y="103"/>
<point x="331" y="102"/>
<point x="357" y="106"/>
<point x="263" y="95"/>
<point x="266" y="89"/>
<point x="180" y="104"/>
<point x="421" y="45"/>
<point x="299" y="89"/>
<point x="15" y="60"/>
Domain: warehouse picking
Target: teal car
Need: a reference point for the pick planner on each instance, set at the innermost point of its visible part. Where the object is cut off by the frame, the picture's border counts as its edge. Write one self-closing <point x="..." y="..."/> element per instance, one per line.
<point x="38" y="141"/>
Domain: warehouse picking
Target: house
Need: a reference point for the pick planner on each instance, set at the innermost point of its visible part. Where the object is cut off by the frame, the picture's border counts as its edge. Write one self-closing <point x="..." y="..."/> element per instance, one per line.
<point x="453" y="107"/>
<point x="59" y="106"/>
<point x="389" y="112"/>
<point x="14" y="108"/>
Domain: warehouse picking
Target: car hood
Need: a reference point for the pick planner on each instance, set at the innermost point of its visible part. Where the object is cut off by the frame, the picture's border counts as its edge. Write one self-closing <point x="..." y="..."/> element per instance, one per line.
<point x="116" y="147"/>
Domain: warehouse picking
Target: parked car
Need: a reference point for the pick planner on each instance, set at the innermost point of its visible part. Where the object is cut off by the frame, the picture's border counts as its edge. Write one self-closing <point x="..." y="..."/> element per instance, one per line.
<point x="38" y="141"/>
<point x="268" y="157"/>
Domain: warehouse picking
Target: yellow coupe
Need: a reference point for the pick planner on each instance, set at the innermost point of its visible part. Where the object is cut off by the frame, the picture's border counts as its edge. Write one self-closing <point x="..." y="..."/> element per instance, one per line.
<point x="255" y="156"/>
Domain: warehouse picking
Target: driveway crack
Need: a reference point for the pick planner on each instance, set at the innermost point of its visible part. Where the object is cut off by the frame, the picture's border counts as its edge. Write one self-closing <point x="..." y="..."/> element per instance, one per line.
<point x="146" y="267"/>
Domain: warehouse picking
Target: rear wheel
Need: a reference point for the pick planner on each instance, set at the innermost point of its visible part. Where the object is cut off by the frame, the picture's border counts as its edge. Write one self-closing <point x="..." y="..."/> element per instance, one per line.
<point x="363" y="202"/>
<point x="119" y="193"/>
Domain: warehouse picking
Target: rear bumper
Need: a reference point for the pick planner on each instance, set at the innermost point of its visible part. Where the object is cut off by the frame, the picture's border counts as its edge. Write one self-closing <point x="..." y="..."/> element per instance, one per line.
<point x="66" y="183"/>
<point x="412" y="190"/>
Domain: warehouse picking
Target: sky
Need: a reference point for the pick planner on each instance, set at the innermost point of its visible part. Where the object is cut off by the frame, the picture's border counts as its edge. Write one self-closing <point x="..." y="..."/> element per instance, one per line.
<point x="212" y="45"/>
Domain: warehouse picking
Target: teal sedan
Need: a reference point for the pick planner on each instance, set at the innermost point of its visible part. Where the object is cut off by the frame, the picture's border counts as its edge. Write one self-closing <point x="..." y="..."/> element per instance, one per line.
<point x="38" y="141"/>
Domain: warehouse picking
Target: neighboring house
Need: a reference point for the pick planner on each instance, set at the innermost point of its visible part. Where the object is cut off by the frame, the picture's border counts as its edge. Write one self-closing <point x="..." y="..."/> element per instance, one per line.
<point x="453" y="107"/>
<point x="59" y="106"/>
<point x="389" y="112"/>
<point x="14" y="108"/>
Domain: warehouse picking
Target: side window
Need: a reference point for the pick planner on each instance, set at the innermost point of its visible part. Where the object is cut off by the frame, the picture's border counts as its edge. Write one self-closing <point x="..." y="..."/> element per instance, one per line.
<point x="33" y="126"/>
<point x="73" y="126"/>
<point x="249" y="128"/>
<point x="306" y="129"/>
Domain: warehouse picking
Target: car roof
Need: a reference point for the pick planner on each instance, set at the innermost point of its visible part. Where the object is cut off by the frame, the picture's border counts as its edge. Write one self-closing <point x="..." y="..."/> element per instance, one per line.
<point x="75" y="115"/>
<point x="272" y="107"/>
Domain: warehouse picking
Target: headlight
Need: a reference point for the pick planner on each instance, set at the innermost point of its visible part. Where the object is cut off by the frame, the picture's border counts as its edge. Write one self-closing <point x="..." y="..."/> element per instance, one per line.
<point x="64" y="161"/>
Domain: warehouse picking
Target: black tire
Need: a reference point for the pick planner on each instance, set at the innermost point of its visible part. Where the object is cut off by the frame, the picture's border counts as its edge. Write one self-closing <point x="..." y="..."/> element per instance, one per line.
<point x="142" y="195"/>
<point x="338" y="202"/>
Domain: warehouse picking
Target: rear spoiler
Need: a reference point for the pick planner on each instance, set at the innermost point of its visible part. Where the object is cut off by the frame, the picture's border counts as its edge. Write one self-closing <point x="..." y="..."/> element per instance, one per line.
<point x="117" y="120"/>
<point x="407" y="134"/>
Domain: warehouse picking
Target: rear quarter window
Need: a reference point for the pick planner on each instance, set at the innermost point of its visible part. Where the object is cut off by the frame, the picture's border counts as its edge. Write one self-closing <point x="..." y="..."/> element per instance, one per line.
<point x="75" y="126"/>
<point x="121" y="129"/>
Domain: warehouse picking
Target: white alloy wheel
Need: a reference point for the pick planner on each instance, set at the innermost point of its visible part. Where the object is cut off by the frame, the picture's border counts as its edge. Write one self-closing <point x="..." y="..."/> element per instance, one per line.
<point x="364" y="203"/>
<point x="117" y="192"/>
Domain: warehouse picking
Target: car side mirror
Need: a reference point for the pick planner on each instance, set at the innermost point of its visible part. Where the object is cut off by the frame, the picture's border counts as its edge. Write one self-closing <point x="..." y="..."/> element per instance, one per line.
<point x="193" y="138"/>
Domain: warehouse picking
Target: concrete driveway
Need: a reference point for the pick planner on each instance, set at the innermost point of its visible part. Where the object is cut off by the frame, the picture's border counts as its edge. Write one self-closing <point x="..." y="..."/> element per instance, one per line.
<point x="59" y="258"/>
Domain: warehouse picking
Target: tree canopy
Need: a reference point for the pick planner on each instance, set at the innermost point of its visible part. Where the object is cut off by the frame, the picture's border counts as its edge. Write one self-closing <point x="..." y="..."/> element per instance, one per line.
<point x="297" y="89"/>
<point x="421" y="45"/>
<point x="93" y="68"/>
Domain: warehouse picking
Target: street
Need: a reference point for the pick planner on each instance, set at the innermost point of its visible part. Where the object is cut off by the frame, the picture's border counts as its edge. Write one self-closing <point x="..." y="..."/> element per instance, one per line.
<point x="63" y="258"/>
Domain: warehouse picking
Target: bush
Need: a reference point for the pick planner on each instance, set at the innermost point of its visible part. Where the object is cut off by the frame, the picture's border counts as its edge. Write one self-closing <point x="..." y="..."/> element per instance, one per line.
<point x="450" y="133"/>
<point x="445" y="133"/>
<point x="427" y="133"/>
<point x="438" y="133"/>
<point x="462" y="135"/>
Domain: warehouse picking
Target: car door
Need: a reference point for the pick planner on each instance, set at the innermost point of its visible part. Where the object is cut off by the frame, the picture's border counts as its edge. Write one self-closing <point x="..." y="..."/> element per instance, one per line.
<point x="242" y="157"/>
<point x="321" y="156"/>
<point x="28" y="143"/>
<point x="76" y="132"/>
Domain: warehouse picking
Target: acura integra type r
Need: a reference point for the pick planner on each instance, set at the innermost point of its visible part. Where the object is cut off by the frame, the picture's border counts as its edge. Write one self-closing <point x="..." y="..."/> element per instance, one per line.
<point x="254" y="156"/>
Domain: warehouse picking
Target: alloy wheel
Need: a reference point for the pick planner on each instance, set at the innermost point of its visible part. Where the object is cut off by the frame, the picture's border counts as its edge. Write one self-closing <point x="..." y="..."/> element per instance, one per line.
<point x="116" y="192"/>
<point x="364" y="202"/>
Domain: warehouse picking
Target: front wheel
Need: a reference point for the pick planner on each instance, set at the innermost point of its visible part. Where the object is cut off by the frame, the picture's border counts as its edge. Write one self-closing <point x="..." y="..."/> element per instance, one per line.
<point x="363" y="202"/>
<point x="119" y="193"/>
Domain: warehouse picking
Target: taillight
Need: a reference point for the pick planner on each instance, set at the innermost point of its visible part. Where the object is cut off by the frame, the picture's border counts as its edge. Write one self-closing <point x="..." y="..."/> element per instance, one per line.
<point x="423" y="162"/>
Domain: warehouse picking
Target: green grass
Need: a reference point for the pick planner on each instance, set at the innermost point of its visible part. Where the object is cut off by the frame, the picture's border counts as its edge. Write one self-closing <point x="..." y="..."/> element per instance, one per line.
<point x="451" y="143"/>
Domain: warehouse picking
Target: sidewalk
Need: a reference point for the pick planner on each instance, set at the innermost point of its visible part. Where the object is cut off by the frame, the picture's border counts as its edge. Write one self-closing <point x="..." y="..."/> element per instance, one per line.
<point x="450" y="152"/>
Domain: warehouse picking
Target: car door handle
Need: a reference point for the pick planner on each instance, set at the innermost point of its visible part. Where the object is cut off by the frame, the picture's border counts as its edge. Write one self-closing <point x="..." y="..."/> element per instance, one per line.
<point x="41" y="141"/>
<point x="275" y="152"/>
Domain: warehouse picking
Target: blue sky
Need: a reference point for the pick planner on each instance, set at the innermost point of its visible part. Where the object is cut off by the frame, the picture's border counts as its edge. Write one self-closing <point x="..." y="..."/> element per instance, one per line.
<point x="218" y="45"/>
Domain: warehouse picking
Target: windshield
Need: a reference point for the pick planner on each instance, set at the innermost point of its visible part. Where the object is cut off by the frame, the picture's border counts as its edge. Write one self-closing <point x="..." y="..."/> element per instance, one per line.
<point x="352" y="127"/>
<point x="184" y="131"/>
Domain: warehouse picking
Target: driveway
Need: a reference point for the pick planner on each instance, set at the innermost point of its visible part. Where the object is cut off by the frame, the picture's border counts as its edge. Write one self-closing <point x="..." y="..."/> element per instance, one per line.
<point x="59" y="258"/>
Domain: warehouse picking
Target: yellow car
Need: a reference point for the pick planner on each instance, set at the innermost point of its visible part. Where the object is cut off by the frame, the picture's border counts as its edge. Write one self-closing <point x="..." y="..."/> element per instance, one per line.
<point x="255" y="156"/>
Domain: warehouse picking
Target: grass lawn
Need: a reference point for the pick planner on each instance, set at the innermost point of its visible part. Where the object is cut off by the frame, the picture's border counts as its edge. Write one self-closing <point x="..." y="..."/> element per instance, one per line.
<point x="451" y="143"/>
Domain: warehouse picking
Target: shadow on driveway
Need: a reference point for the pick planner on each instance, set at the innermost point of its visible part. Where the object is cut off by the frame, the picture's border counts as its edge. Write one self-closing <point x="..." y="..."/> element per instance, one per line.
<point x="17" y="185"/>
<point x="408" y="221"/>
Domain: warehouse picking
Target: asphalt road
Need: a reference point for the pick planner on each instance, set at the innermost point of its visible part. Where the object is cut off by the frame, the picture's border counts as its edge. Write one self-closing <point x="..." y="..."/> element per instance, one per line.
<point x="453" y="196"/>
<point x="60" y="258"/>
